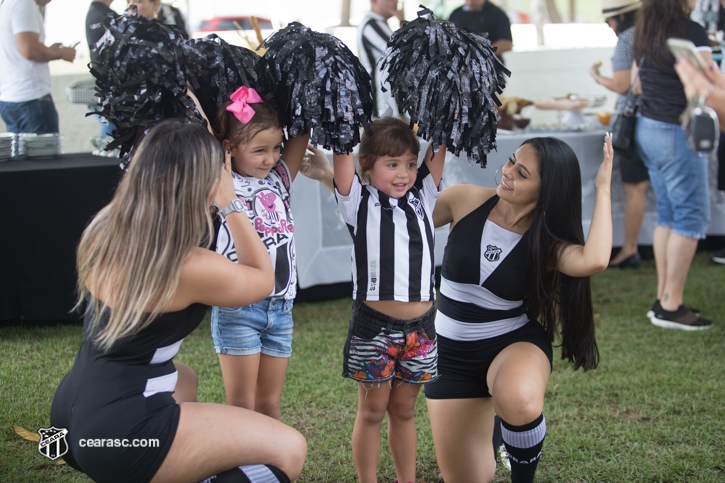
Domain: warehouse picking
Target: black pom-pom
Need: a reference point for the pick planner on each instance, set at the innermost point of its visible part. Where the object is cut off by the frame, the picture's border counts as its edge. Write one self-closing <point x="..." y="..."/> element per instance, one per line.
<point x="140" y="78"/>
<point x="215" y="69"/>
<point x="447" y="81"/>
<point x="319" y="85"/>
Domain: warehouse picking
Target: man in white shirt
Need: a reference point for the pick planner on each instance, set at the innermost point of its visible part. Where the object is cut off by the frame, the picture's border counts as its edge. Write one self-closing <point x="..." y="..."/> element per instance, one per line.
<point x="373" y="35"/>
<point x="25" y="101"/>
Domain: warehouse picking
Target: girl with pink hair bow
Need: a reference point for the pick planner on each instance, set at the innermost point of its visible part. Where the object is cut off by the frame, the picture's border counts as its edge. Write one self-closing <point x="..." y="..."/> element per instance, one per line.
<point x="254" y="342"/>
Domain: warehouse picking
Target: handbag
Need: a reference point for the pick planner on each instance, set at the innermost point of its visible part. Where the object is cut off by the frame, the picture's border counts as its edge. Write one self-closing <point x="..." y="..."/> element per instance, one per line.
<point x="623" y="127"/>
<point x="624" y="122"/>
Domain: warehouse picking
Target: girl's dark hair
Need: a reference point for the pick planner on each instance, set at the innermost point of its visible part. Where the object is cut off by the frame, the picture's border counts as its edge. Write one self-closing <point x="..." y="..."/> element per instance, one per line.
<point x="625" y="20"/>
<point x="226" y="126"/>
<point x="562" y="304"/>
<point x="386" y="136"/>
<point x="657" y="21"/>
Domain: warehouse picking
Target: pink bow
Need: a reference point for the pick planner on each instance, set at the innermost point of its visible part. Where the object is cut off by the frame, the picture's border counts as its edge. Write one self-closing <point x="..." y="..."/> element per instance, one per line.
<point x="240" y="103"/>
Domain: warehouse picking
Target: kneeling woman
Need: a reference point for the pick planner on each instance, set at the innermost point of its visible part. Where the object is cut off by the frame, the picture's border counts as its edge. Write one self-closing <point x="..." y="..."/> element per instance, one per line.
<point x="515" y="274"/>
<point x="148" y="281"/>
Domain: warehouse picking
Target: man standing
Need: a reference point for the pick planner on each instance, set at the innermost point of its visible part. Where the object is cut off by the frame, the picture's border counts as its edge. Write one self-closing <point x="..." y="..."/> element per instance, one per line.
<point x="25" y="102"/>
<point x="373" y="35"/>
<point x="482" y="16"/>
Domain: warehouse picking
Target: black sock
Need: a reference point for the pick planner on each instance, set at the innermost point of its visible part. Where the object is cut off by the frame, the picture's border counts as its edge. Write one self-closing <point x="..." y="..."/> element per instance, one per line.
<point x="523" y="444"/>
<point x="250" y="474"/>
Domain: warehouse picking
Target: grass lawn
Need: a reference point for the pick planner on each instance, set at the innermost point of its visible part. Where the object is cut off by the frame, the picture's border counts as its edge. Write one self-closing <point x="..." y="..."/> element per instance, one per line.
<point x="654" y="410"/>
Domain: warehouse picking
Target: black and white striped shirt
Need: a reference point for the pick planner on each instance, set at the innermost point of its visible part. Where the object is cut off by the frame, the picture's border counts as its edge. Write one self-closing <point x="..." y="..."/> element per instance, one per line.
<point x="393" y="240"/>
<point x="373" y="35"/>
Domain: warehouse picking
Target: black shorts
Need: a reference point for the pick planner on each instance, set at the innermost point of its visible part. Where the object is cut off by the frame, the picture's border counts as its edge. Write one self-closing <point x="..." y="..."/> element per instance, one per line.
<point x="129" y="438"/>
<point x="463" y="365"/>
<point x="632" y="168"/>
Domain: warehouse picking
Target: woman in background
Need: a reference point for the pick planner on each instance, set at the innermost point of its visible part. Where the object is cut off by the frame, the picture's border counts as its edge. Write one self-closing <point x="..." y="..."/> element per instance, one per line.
<point x="620" y="15"/>
<point x="678" y="174"/>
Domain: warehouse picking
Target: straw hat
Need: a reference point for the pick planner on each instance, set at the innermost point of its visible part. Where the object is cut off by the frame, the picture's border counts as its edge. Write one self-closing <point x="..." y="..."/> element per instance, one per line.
<point x="611" y="8"/>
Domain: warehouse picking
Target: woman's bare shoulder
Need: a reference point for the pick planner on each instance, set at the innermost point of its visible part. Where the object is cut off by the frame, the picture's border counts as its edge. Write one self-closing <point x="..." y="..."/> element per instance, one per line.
<point x="464" y="198"/>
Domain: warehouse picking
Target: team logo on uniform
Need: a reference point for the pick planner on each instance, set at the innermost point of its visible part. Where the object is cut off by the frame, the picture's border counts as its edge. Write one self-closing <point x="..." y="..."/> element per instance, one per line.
<point x="52" y="442"/>
<point x="493" y="253"/>
<point x="417" y="207"/>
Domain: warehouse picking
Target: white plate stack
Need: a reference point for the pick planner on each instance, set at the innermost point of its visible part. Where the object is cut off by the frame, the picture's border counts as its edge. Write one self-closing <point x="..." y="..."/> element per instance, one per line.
<point x="6" y="145"/>
<point x="40" y="146"/>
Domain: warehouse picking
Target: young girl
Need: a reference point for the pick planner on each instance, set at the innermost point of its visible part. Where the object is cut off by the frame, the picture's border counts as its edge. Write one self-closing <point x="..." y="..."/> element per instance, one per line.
<point x="391" y="344"/>
<point x="254" y="342"/>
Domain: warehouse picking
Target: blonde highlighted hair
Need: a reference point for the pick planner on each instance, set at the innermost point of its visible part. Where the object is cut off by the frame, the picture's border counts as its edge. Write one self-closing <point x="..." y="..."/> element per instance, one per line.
<point x="134" y="248"/>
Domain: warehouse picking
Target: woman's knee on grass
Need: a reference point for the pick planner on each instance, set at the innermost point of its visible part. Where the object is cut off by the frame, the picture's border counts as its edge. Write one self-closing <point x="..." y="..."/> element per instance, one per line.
<point x="518" y="407"/>
<point x="297" y="447"/>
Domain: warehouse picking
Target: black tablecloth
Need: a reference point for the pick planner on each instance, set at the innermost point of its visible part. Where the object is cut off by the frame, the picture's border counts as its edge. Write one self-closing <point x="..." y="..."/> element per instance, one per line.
<point x="44" y="207"/>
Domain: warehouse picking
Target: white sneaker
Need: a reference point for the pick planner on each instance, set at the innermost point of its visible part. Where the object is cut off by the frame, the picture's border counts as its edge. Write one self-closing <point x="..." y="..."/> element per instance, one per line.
<point x="504" y="457"/>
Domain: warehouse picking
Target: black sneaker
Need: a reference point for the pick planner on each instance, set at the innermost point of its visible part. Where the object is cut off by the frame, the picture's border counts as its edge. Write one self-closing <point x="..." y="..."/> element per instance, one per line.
<point x="718" y="256"/>
<point x="656" y="307"/>
<point x="683" y="319"/>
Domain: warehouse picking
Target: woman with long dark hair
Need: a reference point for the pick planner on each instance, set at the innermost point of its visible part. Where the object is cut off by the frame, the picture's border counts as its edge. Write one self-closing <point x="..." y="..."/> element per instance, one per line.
<point x="678" y="174"/>
<point x="515" y="277"/>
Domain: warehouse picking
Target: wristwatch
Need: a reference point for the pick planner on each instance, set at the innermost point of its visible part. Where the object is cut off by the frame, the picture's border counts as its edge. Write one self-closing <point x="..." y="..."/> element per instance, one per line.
<point x="235" y="206"/>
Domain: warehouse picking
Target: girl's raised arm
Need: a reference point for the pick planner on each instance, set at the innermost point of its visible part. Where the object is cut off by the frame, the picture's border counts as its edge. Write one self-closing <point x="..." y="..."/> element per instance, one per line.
<point x="294" y="153"/>
<point x="435" y="162"/>
<point x="344" y="166"/>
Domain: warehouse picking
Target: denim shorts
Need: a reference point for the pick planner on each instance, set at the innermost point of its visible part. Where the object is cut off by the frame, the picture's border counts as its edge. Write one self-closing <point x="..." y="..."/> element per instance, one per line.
<point x="379" y="348"/>
<point x="36" y="116"/>
<point x="264" y="327"/>
<point x="678" y="176"/>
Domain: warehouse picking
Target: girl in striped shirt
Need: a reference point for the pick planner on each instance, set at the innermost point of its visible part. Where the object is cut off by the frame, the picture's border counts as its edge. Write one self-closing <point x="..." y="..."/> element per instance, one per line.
<point x="391" y="344"/>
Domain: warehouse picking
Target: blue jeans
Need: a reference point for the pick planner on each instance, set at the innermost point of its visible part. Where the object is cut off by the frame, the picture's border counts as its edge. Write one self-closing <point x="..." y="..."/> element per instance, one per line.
<point x="265" y="327"/>
<point x="678" y="176"/>
<point x="38" y="116"/>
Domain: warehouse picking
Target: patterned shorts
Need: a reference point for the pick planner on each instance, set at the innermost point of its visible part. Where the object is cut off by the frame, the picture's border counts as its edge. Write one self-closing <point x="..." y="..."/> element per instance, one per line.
<point x="379" y="348"/>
